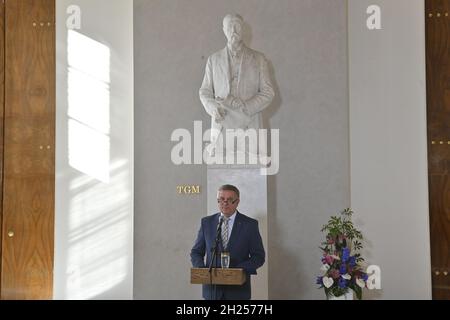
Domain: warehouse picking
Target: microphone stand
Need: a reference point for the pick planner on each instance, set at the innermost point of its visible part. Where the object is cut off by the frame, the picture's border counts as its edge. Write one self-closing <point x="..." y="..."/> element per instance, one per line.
<point x="215" y="257"/>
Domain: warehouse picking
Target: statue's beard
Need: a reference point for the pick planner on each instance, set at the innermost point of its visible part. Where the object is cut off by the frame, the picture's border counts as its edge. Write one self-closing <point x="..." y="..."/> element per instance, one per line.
<point x="235" y="42"/>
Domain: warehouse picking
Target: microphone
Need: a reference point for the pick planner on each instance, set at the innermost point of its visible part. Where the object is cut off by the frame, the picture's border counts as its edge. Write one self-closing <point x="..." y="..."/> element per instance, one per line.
<point x="219" y="225"/>
<point x="215" y="248"/>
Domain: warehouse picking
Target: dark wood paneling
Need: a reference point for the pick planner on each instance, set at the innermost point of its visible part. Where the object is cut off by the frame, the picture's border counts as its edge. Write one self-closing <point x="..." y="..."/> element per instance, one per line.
<point x="440" y="235"/>
<point x="438" y="114"/>
<point x="28" y="205"/>
<point x="28" y="262"/>
<point x="2" y="108"/>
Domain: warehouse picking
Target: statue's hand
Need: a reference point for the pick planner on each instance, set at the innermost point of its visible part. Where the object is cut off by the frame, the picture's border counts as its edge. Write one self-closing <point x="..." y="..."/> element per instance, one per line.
<point x="219" y="114"/>
<point x="237" y="103"/>
<point x="245" y="110"/>
<point x="228" y="102"/>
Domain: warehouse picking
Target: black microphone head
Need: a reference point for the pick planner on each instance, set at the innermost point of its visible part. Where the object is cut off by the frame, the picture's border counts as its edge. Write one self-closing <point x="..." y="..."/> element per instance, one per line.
<point x="220" y="222"/>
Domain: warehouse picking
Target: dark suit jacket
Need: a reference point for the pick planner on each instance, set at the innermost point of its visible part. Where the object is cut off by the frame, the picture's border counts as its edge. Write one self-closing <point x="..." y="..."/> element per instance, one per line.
<point x="246" y="251"/>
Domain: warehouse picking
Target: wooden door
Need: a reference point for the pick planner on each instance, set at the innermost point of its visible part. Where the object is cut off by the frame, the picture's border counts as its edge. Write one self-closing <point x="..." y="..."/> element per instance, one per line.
<point x="28" y="176"/>
<point x="438" y="105"/>
<point x="2" y="109"/>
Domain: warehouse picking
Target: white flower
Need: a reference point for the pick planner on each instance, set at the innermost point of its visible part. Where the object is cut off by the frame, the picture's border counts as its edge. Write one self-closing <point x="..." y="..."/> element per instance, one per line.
<point x="360" y="282"/>
<point x="327" y="282"/>
<point x="346" y="276"/>
<point x="336" y="257"/>
<point x="325" y="267"/>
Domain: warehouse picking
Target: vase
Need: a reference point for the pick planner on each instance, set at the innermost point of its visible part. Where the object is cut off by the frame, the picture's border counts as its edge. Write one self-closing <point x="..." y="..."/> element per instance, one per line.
<point x="347" y="296"/>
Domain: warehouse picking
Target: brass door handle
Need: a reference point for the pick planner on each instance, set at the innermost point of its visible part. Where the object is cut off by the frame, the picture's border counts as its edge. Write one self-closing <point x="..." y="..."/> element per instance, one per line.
<point x="10" y="233"/>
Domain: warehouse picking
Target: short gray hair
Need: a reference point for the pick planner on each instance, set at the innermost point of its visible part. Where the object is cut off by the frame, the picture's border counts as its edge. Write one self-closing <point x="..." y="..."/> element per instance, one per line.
<point x="229" y="187"/>
<point x="232" y="16"/>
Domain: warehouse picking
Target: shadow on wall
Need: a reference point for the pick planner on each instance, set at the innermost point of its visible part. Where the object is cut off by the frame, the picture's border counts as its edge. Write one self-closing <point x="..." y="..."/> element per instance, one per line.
<point x="275" y="252"/>
<point x="290" y="261"/>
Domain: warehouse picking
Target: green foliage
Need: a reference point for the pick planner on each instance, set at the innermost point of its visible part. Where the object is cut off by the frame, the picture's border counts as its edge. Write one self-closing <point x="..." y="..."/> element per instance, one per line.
<point x="339" y="230"/>
<point x="341" y="258"/>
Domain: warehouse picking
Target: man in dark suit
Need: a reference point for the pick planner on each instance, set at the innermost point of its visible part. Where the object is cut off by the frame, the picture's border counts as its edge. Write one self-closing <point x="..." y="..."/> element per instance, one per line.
<point x="239" y="236"/>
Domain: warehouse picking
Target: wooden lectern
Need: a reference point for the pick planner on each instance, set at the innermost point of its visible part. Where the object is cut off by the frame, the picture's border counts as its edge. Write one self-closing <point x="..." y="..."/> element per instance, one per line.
<point x="219" y="276"/>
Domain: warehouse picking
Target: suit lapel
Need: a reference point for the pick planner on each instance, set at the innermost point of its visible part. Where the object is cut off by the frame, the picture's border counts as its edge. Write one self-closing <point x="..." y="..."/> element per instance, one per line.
<point x="214" y="225"/>
<point x="246" y="63"/>
<point x="243" y="65"/>
<point x="237" y="226"/>
<point x="225" y="68"/>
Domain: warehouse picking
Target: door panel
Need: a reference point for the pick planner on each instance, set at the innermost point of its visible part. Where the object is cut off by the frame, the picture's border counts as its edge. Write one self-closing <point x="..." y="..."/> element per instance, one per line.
<point x="28" y="184"/>
<point x="2" y="105"/>
<point x="438" y="106"/>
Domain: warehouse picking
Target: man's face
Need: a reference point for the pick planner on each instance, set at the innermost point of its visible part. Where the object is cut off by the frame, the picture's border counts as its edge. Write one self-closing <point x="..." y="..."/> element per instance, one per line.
<point x="233" y="31"/>
<point x="227" y="202"/>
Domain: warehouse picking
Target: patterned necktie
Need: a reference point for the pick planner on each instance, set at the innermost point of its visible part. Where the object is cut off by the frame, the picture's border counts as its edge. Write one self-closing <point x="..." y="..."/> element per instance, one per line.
<point x="225" y="233"/>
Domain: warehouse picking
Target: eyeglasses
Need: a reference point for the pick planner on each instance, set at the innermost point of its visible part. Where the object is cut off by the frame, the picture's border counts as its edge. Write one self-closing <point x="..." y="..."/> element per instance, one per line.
<point x="227" y="201"/>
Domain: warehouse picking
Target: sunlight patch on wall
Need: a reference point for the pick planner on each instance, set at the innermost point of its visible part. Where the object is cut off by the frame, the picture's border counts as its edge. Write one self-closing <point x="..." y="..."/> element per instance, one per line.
<point x="89" y="106"/>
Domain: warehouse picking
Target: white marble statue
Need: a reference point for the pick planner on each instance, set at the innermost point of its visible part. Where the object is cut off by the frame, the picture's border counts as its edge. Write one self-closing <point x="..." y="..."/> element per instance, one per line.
<point x="236" y="86"/>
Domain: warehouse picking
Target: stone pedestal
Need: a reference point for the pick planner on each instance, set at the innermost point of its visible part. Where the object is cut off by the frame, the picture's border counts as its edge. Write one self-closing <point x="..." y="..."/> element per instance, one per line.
<point x="253" y="188"/>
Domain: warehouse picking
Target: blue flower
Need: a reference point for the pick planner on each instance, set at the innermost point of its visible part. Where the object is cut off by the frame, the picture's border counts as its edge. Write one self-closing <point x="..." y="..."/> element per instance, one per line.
<point x="319" y="280"/>
<point x="364" y="276"/>
<point x="342" y="283"/>
<point x="345" y="254"/>
<point x="352" y="261"/>
<point x="343" y="269"/>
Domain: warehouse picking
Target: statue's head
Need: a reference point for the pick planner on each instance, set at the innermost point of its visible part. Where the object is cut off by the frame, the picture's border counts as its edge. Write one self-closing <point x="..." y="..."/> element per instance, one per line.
<point x="233" y="27"/>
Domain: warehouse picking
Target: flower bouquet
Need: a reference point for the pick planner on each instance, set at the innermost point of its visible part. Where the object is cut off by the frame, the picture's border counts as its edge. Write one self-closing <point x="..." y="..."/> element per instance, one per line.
<point x="341" y="261"/>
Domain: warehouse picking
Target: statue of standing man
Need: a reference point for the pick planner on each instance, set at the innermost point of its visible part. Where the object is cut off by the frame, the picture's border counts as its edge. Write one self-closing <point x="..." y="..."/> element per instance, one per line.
<point x="237" y="85"/>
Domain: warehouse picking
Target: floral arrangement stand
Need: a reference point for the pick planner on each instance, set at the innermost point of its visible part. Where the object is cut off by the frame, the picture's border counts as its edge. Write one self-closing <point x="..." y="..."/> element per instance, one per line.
<point x="343" y="273"/>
